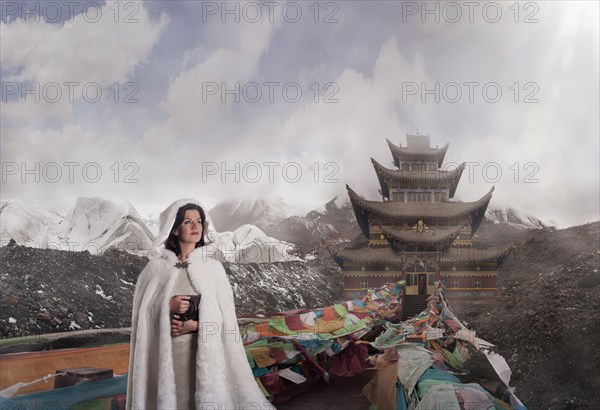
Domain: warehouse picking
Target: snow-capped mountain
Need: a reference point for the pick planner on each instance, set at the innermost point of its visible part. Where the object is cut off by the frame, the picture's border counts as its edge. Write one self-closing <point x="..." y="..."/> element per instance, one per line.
<point x="260" y="212"/>
<point x="100" y="223"/>
<point x="278" y="219"/>
<point x="298" y="229"/>
<point x="97" y="224"/>
<point x="26" y="224"/>
<point x="93" y="224"/>
<point x="515" y="219"/>
<point x="249" y="244"/>
<point x="338" y="213"/>
<point x="507" y="225"/>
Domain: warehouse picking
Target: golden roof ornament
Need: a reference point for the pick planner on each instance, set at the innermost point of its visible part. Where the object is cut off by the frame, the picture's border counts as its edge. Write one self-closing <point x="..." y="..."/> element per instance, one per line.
<point x="420" y="227"/>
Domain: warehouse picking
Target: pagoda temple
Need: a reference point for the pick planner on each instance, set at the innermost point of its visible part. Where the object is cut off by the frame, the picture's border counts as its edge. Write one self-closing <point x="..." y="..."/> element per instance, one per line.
<point x="417" y="233"/>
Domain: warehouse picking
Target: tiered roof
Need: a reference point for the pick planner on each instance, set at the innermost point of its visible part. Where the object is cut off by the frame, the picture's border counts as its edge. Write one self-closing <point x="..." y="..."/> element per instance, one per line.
<point x="411" y="211"/>
<point x="433" y="237"/>
<point x="417" y="152"/>
<point x="448" y="178"/>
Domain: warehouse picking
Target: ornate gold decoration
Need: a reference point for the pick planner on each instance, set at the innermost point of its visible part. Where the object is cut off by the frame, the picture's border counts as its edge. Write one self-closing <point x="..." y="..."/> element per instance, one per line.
<point x="420" y="227"/>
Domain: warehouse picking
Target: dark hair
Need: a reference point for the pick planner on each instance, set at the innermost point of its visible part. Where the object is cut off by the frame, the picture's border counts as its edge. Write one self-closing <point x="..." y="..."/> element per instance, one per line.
<point x="172" y="242"/>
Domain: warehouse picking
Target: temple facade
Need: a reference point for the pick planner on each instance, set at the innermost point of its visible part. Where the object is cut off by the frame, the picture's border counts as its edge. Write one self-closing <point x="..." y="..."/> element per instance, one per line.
<point x="417" y="233"/>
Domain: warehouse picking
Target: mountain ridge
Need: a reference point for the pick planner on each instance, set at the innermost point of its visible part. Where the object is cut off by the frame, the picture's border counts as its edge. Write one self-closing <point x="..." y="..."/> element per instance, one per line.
<point x="99" y="224"/>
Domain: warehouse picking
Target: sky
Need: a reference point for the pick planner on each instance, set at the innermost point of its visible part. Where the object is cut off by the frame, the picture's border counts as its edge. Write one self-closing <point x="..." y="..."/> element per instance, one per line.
<point x="158" y="100"/>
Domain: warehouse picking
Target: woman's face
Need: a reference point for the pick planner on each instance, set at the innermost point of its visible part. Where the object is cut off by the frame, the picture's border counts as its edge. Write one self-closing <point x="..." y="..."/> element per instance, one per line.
<point x="190" y="230"/>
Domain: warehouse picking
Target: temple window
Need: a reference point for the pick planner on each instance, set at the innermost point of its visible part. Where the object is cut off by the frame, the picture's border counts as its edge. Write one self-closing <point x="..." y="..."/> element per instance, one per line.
<point x="364" y="283"/>
<point x="454" y="283"/>
<point x="477" y="282"/>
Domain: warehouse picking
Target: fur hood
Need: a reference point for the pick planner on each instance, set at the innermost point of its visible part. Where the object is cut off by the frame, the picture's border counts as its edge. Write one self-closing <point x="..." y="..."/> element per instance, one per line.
<point x="166" y="221"/>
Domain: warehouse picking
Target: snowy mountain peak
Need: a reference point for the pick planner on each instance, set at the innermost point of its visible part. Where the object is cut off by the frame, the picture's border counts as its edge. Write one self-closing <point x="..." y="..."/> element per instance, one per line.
<point x="26" y="224"/>
<point x="247" y="234"/>
<point x="103" y="223"/>
<point x="93" y="224"/>
<point x="516" y="219"/>
<point x="341" y="201"/>
<point x="249" y="244"/>
<point x="99" y="211"/>
<point x="298" y="229"/>
<point x="261" y="212"/>
<point x="338" y="203"/>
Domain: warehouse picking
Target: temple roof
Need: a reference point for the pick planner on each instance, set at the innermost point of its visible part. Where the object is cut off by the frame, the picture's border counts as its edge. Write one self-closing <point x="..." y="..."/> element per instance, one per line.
<point x="399" y="210"/>
<point x="472" y="255"/>
<point x="413" y="211"/>
<point x="387" y="256"/>
<point x="416" y="152"/>
<point x="450" y="178"/>
<point x="431" y="237"/>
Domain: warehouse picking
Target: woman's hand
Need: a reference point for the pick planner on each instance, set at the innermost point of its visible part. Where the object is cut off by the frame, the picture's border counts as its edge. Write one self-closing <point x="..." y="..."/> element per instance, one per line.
<point x="179" y="304"/>
<point x="179" y="328"/>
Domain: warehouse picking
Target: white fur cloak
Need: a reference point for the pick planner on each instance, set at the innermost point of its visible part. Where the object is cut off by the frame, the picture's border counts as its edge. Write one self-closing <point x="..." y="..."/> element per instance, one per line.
<point x="224" y="379"/>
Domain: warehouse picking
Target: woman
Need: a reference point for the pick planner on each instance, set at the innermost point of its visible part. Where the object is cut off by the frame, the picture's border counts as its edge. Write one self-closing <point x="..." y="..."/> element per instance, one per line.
<point x="187" y="364"/>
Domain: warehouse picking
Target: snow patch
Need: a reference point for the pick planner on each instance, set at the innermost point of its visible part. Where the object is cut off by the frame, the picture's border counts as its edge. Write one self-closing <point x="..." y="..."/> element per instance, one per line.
<point x="100" y="292"/>
<point x="74" y="326"/>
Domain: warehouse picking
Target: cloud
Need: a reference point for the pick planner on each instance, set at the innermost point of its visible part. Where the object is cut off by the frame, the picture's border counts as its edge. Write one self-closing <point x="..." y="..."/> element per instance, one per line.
<point x="193" y="103"/>
<point x="78" y="162"/>
<point x="363" y="74"/>
<point x="65" y="63"/>
<point x="321" y="140"/>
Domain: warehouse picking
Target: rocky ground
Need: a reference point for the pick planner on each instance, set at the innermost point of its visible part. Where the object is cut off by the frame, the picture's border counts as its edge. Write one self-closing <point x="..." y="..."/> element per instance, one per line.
<point x="546" y="319"/>
<point x="45" y="290"/>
